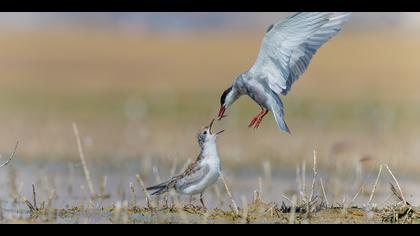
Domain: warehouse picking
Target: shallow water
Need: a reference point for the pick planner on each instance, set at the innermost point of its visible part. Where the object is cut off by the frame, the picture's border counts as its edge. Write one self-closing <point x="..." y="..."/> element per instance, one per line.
<point x="61" y="184"/>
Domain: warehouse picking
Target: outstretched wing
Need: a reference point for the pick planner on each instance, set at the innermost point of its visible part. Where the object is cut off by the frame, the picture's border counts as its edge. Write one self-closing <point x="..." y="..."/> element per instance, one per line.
<point x="288" y="46"/>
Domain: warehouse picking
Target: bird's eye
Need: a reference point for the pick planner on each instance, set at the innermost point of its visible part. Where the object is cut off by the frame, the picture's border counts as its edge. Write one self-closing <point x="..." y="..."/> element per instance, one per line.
<point x="205" y="132"/>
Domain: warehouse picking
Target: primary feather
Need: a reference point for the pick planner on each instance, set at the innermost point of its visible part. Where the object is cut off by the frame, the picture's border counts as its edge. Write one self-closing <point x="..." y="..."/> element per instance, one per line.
<point x="289" y="46"/>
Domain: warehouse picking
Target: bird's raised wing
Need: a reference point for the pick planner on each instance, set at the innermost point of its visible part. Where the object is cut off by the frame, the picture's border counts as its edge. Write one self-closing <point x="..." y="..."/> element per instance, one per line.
<point x="288" y="46"/>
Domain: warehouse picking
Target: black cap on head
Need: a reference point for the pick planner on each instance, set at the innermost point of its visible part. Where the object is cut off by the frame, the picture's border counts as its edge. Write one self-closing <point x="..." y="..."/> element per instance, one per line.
<point x="223" y="97"/>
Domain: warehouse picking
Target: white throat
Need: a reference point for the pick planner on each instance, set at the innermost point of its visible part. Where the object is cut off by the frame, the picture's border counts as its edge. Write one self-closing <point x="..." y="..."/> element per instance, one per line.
<point x="210" y="150"/>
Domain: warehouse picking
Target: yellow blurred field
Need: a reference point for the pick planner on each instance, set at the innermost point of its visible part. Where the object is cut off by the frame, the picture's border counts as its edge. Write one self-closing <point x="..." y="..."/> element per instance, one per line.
<point x="142" y="94"/>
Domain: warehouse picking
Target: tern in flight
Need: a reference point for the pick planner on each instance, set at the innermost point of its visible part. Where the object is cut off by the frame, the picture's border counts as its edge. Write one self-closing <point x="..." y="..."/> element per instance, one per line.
<point x="286" y="52"/>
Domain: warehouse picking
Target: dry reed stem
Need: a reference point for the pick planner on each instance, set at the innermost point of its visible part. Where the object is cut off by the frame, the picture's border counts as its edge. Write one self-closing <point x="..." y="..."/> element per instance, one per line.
<point x="117" y="211"/>
<point x="11" y="156"/>
<point x="267" y="173"/>
<point x="315" y="174"/>
<point x="355" y="196"/>
<point x="288" y="199"/>
<point x="155" y="171"/>
<point x="34" y="196"/>
<point x="375" y="185"/>
<point x="146" y="194"/>
<point x="82" y="158"/>
<point x="218" y="194"/>
<point x="323" y="192"/>
<point x="102" y="188"/>
<point x="32" y="207"/>
<point x="1" y="212"/>
<point x="235" y="207"/>
<point x="244" y="209"/>
<point x="125" y="216"/>
<point x="396" y="182"/>
<point x="133" y="195"/>
<point x="298" y="179"/>
<point x="292" y="216"/>
<point x="51" y="196"/>
<point x="304" y="178"/>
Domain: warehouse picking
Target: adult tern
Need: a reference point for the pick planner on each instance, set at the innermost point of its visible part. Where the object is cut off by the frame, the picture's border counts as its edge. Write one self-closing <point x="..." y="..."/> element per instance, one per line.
<point x="285" y="54"/>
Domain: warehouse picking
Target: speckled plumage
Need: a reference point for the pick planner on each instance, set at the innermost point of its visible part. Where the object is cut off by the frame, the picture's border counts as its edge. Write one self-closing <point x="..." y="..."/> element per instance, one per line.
<point x="201" y="173"/>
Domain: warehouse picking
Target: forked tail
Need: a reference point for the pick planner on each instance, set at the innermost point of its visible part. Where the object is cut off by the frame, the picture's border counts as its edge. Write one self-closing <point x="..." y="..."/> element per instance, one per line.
<point x="278" y="111"/>
<point x="160" y="188"/>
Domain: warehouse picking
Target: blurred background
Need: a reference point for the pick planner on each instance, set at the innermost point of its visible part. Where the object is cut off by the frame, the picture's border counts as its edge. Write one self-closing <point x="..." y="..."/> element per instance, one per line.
<point x="141" y="85"/>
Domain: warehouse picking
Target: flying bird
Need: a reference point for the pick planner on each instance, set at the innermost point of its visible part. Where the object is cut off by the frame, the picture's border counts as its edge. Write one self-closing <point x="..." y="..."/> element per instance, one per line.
<point x="200" y="174"/>
<point x="285" y="54"/>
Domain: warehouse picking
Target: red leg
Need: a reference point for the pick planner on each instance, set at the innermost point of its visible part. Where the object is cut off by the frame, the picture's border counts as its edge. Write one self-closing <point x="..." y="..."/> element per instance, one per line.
<point x="257" y="124"/>
<point x="255" y="118"/>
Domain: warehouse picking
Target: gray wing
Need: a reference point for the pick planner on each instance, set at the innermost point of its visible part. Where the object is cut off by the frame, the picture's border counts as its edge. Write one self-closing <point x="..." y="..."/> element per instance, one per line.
<point x="194" y="176"/>
<point x="288" y="46"/>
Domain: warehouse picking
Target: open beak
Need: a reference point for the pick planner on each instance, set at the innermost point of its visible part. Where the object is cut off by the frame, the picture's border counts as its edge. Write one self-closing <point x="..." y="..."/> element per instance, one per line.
<point x="221" y="113"/>
<point x="211" y="125"/>
<point x="220" y="132"/>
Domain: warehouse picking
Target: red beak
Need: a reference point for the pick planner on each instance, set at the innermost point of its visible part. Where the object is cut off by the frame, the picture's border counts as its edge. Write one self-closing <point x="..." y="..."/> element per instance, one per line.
<point x="221" y="113"/>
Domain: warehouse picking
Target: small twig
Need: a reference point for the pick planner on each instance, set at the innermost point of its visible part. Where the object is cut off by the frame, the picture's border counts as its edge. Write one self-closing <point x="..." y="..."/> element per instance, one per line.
<point x="355" y="196"/>
<point x="292" y="215"/>
<point x="102" y="188"/>
<point x="235" y="207"/>
<point x="146" y="194"/>
<point x="303" y="172"/>
<point x="11" y="156"/>
<point x="315" y="173"/>
<point x="267" y="173"/>
<point x="32" y="207"/>
<point x="156" y="173"/>
<point x="82" y="158"/>
<point x="298" y="179"/>
<point x="133" y="195"/>
<point x="29" y="205"/>
<point x="288" y="199"/>
<point x="34" y="196"/>
<point x="323" y="192"/>
<point x="376" y="183"/>
<point x="257" y="196"/>
<point x="1" y="212"/>
<point x="218" y="194"/>
<point x="396" y="182"/>
<point x="245" y="209"/>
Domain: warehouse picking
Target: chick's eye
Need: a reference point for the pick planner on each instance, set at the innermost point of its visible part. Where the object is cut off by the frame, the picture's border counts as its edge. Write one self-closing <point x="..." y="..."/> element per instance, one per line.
<point x="205" y="132"/>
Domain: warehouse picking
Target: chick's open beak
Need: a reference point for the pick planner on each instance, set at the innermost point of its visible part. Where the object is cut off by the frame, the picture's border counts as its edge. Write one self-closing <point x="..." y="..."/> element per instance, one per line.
<point x="211" y="125"/>
<point x="220" y="132"/>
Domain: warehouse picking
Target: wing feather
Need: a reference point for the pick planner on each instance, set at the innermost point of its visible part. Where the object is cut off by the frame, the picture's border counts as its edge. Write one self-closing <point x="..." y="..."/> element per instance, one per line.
<point x="192" y="177"/>
<point x="289" y="46"/>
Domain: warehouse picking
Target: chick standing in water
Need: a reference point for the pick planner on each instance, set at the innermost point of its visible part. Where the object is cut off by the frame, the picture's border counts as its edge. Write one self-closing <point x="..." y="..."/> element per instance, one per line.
<point x="200" y="174"/>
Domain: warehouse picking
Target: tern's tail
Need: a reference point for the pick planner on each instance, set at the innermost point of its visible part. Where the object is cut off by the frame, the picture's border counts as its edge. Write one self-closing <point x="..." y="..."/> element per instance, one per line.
<point x="159" y="189"/>
<point x="278" y="112"/>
